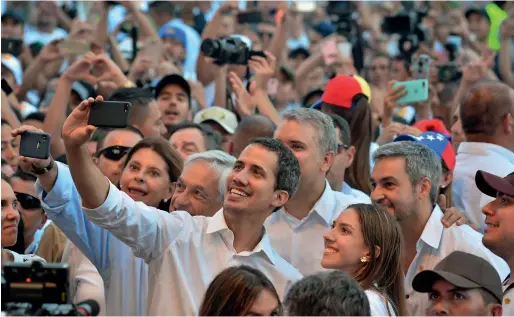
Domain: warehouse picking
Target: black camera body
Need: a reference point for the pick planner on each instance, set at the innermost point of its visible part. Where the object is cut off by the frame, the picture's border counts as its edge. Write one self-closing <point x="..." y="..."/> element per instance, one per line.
<point x="226" y="51"/>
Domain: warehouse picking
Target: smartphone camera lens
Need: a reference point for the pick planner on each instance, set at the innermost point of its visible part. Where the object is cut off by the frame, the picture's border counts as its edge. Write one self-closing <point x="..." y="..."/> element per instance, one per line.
<point x="45" y="138"/>
<point x="126" y="107"/>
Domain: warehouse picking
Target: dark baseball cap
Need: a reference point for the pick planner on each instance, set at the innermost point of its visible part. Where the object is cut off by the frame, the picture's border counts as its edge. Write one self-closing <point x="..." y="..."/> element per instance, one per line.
<point x="491" y="185"/>
<point x="463" y="270"/>
<point x="10" y="14"/>
<point x="173" y="79"/>
<point x="477" y="11"/>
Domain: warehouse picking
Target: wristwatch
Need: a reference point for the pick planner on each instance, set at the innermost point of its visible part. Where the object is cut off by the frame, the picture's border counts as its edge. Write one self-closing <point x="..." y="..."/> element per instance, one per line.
<point x="44" y="170"/>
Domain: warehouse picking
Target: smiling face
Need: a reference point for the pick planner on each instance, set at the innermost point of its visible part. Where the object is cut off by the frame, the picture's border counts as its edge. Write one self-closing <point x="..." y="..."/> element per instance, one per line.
<point x="251" y="184"/>
<point x="145" y="178"/>
<point x="197" y="190"/>
<point x="10" y="216"/>
<point x="448" y="300"/>
<point x="392" y="188"/>
<point x="174" y="104"/>
<point x="344" y="244"/>
<point x="499" y="233"/>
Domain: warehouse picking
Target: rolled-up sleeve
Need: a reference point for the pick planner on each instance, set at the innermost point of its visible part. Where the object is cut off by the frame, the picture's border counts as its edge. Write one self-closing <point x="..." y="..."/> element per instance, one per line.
<point x="146" y="230"/>
<point x="63" y="206"/>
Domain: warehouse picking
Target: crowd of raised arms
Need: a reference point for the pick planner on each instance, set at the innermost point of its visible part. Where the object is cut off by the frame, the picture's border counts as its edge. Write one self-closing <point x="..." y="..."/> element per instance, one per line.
<point x="257" y="158"/>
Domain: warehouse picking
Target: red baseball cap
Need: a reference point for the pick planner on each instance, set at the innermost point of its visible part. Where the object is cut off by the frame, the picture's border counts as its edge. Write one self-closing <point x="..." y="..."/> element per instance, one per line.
<point x="340" y="91"/>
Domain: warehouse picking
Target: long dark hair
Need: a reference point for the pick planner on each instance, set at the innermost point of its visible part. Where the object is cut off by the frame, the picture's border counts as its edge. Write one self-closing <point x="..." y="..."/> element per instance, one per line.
<point x="234" y="290"/>
<point x="359" y="119"/>
<point x="162" y="147"/>
<point x="382" y="273"/>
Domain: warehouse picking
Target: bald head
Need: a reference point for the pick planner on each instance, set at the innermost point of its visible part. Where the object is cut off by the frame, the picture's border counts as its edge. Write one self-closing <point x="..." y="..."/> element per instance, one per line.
<point x="249" y="128"/>
<point x="484" y="107"/>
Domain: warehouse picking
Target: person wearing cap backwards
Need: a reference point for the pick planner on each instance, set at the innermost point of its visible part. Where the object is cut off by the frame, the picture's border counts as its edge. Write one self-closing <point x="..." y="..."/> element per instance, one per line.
<point x="462" y="284"/>
<point x="173" y="94"/>
<point x="220" y="119"/>
<point x="499" y="231"/>
<point x="348" y="96"/>
<point x="175" y="43"/>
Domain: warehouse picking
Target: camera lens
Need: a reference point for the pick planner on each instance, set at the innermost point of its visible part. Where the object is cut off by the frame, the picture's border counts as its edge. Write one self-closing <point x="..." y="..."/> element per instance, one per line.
<point x="45" y="138"/>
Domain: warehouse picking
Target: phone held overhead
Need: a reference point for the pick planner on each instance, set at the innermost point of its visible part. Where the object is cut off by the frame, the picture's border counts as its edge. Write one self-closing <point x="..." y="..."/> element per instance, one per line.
<point x="109" y="114"/>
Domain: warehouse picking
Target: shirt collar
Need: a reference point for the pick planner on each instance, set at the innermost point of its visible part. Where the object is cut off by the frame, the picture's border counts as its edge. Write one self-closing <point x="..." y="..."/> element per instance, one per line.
<point x="482" y="148"/>
<point x="325" y="204"/>
<point x="433" y="232"/>
<point x="218" y="224"/>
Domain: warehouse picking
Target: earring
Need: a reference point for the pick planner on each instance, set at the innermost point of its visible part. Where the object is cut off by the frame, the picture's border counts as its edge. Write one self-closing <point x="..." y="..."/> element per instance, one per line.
<point x="364" y="260"/>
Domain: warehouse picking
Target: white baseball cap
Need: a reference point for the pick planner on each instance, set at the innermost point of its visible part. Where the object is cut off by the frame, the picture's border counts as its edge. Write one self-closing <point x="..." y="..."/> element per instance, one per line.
<point x="225" y="118"/>
<point x="14" y="66"/>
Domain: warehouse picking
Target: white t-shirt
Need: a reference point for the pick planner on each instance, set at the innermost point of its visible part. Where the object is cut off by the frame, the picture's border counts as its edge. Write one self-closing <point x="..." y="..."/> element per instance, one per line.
<point x="24" y="258"/>
<point x="377" y="304"/>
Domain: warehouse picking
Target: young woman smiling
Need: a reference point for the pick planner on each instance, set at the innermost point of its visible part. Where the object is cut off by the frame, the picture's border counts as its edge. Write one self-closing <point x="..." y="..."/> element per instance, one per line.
<point x="366" y="242"/>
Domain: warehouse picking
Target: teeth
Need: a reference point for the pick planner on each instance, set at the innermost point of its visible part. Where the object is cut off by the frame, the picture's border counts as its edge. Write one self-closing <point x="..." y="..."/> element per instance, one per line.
<point x="137" y="192"/>
<point x="238" y="192"/>
<point x="330" y="251"/>
<point x="491" y="225"/>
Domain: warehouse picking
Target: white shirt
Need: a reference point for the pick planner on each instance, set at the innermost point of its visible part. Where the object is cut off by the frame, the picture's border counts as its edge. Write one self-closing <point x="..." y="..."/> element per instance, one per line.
<point x="85" y="281"/>
<point x="471" y="157"/>
<point x="377" y="304"/>
<point x="32" y="35"/>
<point x="357" y="194"/>
<point x="300" y="242"/>
<point x="437" y="242"/>
<point x="184" y="253"/>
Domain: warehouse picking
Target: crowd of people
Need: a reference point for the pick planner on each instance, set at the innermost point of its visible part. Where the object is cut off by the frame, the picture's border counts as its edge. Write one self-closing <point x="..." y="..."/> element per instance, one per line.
<point x="286" y="175"/>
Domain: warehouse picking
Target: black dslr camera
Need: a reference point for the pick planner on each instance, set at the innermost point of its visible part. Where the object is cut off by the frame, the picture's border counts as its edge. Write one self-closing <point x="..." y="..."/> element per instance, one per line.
<point x="408" y="25"/>
<point x="228" y="51"/>
<point x="39" y="289"/>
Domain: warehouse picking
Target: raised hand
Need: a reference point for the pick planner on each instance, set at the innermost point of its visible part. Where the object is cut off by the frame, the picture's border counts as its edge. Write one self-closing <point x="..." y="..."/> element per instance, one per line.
<point x="108" y="70"/>
<point x="28" y="163"/>
<point x="50" y="52"/>
<point x="76" y="131"/>
<point x="263" y="68"/>
<point x="390" y="132"/>
<point x="80" y="70"/>
<point x="245" y="105"/>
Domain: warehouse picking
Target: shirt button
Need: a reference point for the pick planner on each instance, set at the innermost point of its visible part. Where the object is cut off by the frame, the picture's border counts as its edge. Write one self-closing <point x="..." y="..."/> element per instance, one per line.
<point x="506" y="301"/>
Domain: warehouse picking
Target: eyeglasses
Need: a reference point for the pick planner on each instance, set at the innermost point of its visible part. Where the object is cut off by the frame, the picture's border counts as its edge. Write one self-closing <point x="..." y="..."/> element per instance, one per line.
<point x="28" y="201"/>
<point x="114" y="153"/>
<point x="342" y="146"/>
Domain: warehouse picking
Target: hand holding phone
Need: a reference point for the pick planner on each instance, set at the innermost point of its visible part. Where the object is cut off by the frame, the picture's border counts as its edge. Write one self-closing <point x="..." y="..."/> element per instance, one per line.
<point x="109" y="114"/>
<point x="250" y="17"/>
<point x="12" y="46"/>
<point x="35" y="144"/>
<point x="417" y="91"/>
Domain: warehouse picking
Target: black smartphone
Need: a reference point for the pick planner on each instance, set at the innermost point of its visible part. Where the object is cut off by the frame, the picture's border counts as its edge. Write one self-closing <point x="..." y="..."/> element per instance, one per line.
<point x="249" y="17"/>
<point x="257" y="53"/>
<point x="6" y="87"/>
<point x="109" y="114"/>
<point x="12" y="46"/>
<point x="449" y="73"/>
<point x="35" y="144"/>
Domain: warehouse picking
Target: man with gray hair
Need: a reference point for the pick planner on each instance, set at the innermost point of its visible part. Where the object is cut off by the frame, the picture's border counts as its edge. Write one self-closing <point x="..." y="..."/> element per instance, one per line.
<point x="296" y="229"/>
<point x="200" y="188"/>
<point x="405" y="180"/>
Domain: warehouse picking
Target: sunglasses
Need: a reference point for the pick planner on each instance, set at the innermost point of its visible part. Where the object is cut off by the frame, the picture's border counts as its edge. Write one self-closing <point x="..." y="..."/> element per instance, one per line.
<point x="28" y="201"/>
<point x="113" y="153"/>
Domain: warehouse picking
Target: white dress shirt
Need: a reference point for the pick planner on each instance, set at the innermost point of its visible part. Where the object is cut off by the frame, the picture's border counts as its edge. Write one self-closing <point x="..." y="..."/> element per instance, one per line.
<point x="300" y="242"/>
<point x="508" y="300"/>
<point x="377" y="304"/>
<point x="437" y="242"/>
<point x="184" y="253"/>
<point x="85" y="281"/>
<point x="471" y="157"/>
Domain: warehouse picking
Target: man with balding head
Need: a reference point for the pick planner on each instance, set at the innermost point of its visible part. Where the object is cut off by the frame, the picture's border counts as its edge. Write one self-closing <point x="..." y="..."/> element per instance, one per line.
<point x="487" y="116"/>
<point x="255" y="126"/>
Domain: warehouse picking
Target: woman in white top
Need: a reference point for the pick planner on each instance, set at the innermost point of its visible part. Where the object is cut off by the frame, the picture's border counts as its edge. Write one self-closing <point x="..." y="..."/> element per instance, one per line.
<point x="10" y="220"/>
<point x="366" y="242"/>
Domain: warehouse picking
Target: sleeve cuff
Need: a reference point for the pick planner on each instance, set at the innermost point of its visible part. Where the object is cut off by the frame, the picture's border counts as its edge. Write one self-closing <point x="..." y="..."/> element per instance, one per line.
<point x="62" y="190"/>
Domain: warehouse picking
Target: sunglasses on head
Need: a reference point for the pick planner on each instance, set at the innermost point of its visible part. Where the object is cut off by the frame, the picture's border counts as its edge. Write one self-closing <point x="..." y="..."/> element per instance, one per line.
<point x="113" y="153"/>
<point x="28" y="201"/>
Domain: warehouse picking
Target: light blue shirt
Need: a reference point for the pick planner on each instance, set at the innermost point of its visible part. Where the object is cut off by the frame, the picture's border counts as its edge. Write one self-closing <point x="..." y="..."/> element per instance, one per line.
<point x="125" y="276"/>
<point x="348" y="190"/>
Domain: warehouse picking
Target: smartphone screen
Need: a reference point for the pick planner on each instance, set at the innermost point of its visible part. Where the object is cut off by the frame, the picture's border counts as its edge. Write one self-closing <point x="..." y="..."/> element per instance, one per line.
<point x="329" y="51"/>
